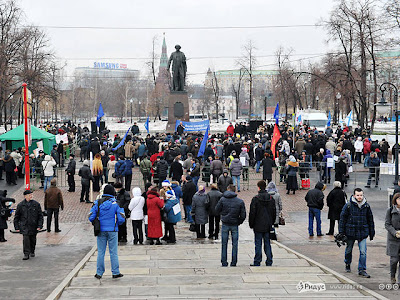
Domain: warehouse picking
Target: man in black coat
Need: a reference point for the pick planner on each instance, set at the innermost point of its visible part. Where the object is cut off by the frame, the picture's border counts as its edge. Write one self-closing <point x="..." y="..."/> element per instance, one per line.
<point x="213" y="197"/>
<point x="261" y="218"/>
<point x="71" y="169"/>
<point x="188" y="191"/>
<point x="335" y="200"/>
<point x="86" y="175"/>
<point x="180" y="129"/>
<point x="315" y="203"/>
<point x="94" y="146"/>
<point x="161" y="167"/>
<point x="135" y="129"/>
<point x="176" y="170"/>
<point x="28" y="220"/>
<point x="224" y="181"/>
<point x="123" y="199"/>
<point x="60" y="151"/>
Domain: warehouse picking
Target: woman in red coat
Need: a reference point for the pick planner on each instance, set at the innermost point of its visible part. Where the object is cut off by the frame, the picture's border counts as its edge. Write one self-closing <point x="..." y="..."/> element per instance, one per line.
<point x="154" y="204"/>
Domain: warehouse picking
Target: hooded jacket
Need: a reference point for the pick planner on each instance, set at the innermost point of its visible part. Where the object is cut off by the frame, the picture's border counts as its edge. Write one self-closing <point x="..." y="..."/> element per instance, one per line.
<point x="86" y="175"/>
<point x="231" y="209"/>
<point x="213" y="197"/>
<point x="357" y="220"/>
<point x="136" y="204"/>
<point x="262" y="213"/>
<point x="169" y="209"/>
<point x="199" y="208"/>
<point x="236" y="167"/>
<point x="110" y="214"/>
<point x="224" y="182"/>
<point x="315" y="197"/>
<point x="48" y="163"/>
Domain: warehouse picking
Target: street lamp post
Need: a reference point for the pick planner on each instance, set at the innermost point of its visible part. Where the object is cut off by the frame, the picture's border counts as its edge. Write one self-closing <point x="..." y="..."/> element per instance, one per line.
<point x="382" y="107"/>
<point x="47" y="108"/>
<point x="338" y="96"/>
<point x="317" y="99"/>
<point x="131" y="101"/>
<point x="139" y="109"/>
<point x="34" y="111"/>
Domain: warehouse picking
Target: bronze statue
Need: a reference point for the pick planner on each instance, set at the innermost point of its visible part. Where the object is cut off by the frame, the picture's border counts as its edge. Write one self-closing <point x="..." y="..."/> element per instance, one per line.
<point x="179" y="69"/>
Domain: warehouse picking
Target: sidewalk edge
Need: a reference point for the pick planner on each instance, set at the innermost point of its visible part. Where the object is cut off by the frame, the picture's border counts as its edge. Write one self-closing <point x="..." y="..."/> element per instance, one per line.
<point x="56" y="293"/>
<point x="336" y="274"/>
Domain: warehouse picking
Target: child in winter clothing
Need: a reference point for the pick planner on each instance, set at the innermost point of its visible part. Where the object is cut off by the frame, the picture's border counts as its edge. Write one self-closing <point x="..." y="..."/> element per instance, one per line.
<point x="136" y="208"/>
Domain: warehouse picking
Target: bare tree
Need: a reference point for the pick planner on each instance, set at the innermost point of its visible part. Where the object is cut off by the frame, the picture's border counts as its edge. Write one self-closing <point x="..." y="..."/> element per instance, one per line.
<point x="236" y="89"/>
<point x="248" y="62"/>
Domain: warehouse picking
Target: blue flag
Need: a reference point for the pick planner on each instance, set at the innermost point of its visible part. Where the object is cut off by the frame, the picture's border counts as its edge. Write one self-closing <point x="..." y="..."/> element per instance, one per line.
<point x="329" y="119"/>
<point x="122" y="141"/>
<point x="146" y="125"/>
<point x="100" y="113"/>
<point x="276" y="114"/>
<point x="203" y="143"/>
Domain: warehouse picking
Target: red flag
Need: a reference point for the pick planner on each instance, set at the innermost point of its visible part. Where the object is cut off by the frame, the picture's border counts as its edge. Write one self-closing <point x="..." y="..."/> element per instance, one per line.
<point x="275" y="138"/>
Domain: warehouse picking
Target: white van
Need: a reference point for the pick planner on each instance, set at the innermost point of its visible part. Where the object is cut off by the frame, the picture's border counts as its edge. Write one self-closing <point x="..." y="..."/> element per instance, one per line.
<point x="314" y="118"/>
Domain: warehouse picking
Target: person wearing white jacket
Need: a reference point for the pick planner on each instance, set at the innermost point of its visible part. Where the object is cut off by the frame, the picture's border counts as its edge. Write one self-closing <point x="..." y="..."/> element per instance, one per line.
<point x="358" y="147"/>
<point x="47" y="164"/>
<point x="136" y="208"/>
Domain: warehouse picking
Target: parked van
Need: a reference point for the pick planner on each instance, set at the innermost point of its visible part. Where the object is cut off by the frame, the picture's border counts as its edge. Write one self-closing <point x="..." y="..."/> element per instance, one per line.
<point x="314" y="118"/>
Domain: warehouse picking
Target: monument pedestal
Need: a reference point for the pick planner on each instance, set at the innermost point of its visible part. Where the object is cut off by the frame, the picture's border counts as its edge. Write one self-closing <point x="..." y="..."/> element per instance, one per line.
<point x="178" y="109"/>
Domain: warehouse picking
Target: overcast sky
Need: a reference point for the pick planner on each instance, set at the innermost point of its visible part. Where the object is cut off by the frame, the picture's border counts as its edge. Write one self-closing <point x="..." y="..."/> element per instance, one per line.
<point x="218" y="46"/>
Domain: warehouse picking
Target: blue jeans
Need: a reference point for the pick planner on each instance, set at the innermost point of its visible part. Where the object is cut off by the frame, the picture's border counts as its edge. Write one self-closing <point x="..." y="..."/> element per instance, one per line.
<point x="236" y="181"/>
<point x="188" y="210"/>
<point x="47" y="180"/>
<point x="258" y="238"/>
<point x="195" y="180"/>
<point x="258" y="163"/>
<point x="362" y="246"/>
<point x="314" y="212"/>
<point x="112" y="238"/>
<point x="234" y="229"/>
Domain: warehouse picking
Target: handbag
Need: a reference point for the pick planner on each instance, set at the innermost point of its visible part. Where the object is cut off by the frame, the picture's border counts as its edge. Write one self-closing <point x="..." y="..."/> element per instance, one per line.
<point x="192" y="227"/>
<point x="272" y="234"/>
<point x="96" y="222"/>
<point x="164" y="215"/>
<point x="282" y="220"/>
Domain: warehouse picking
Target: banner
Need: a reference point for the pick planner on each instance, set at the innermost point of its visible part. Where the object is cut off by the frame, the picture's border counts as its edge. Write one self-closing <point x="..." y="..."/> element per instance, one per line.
<point x="122" y="141"/>
<point x="193" y="126"/>
<point x="62" y="137"/>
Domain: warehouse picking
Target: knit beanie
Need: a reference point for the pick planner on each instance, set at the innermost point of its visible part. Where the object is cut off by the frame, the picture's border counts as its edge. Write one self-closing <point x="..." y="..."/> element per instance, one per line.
<point x="109" y="190"/>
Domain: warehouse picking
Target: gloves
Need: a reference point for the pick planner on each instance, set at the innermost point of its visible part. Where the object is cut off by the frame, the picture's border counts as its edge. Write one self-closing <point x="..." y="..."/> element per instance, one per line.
<point x="398" y="234"/>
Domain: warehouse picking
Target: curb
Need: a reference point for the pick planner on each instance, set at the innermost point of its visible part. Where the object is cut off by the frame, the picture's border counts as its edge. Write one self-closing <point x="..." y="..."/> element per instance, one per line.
<point x="342" y="278"/>
<point x="56" y="293"/>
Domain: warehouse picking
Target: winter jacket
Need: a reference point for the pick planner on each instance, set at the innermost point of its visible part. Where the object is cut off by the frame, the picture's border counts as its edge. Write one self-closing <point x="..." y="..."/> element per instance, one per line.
<point x="48" y="163"/>
<point x="327" y="157"/>
<point x="188" y="191"/>
<point x="120" y="168"/>
<point x="199" y="208"/>
<point x="142" y="150"/>
<point x="9" y="164"/>
<point x="111" y="171"/>
<point x="331" y="146"/>
<point x="267" y="164"/>
<point x="135" y="129"/>
<point x="213" y="197"/>
<point x="219" y="148"/>
<point x="340" y="171"/>
<point x="136" y="205"/>
<point x="94" y="147"/>
<point x="145" y="166"/>
<point x="123" y="199"/>
<point x="195" y="170"/>
<point x="176" y="170"/>
<point x="366" y="147"/>
<point x="208" y="152"/>
<point x="110" y="214"/>
<point x="315" y="197"/>
<point x="129" y="149"/>
<point x="392" y="224"/>
<point x="177" y="190"/>
<point x="154" y="204"/>
<point x="335" y="201"/>
<point x="231" y="209"/>
<point x="53" y="198"/>
<point x="262" y="213"/>
<point x="169" y="209"/>
<point x="216" y="168"/>
<point x="162" y="169"/>
<point x="278" y="205"/>
<point x="236" y="167"/>
<point x="224" y="182"/>
<point x="357" y="222"/>
<point x="86" y="175"/>
<point x="128" y="167"/>
<point x="292" y="168"/>
<point x="71" y="168"/>
<point x="299" y="146"/>
<point x="259" y="152"/>
<point x="358" y="146"/>
<point x="246" y="158"/>
<point x="28" y="217"/>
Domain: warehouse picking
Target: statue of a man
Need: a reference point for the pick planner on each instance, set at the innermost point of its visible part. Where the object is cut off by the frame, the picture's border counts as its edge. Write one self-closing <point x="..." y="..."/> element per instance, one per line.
<point x="179" y="69"/>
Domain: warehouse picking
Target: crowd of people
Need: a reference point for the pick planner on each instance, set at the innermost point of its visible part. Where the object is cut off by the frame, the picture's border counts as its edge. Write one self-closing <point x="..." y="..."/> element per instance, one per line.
<point x="174" y="172"/>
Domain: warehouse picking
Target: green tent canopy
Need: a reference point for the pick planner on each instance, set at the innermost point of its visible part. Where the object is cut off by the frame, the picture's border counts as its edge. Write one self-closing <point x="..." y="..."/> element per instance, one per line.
<point x="15" y="138"/>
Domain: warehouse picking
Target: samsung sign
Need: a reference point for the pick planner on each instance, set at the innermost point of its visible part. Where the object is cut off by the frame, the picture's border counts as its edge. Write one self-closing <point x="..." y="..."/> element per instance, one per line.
<point x="104" y="65"/>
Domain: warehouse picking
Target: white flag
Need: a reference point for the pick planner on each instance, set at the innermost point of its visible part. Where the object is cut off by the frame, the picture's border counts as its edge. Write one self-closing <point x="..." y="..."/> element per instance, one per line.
<point x="349" y="119"/>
